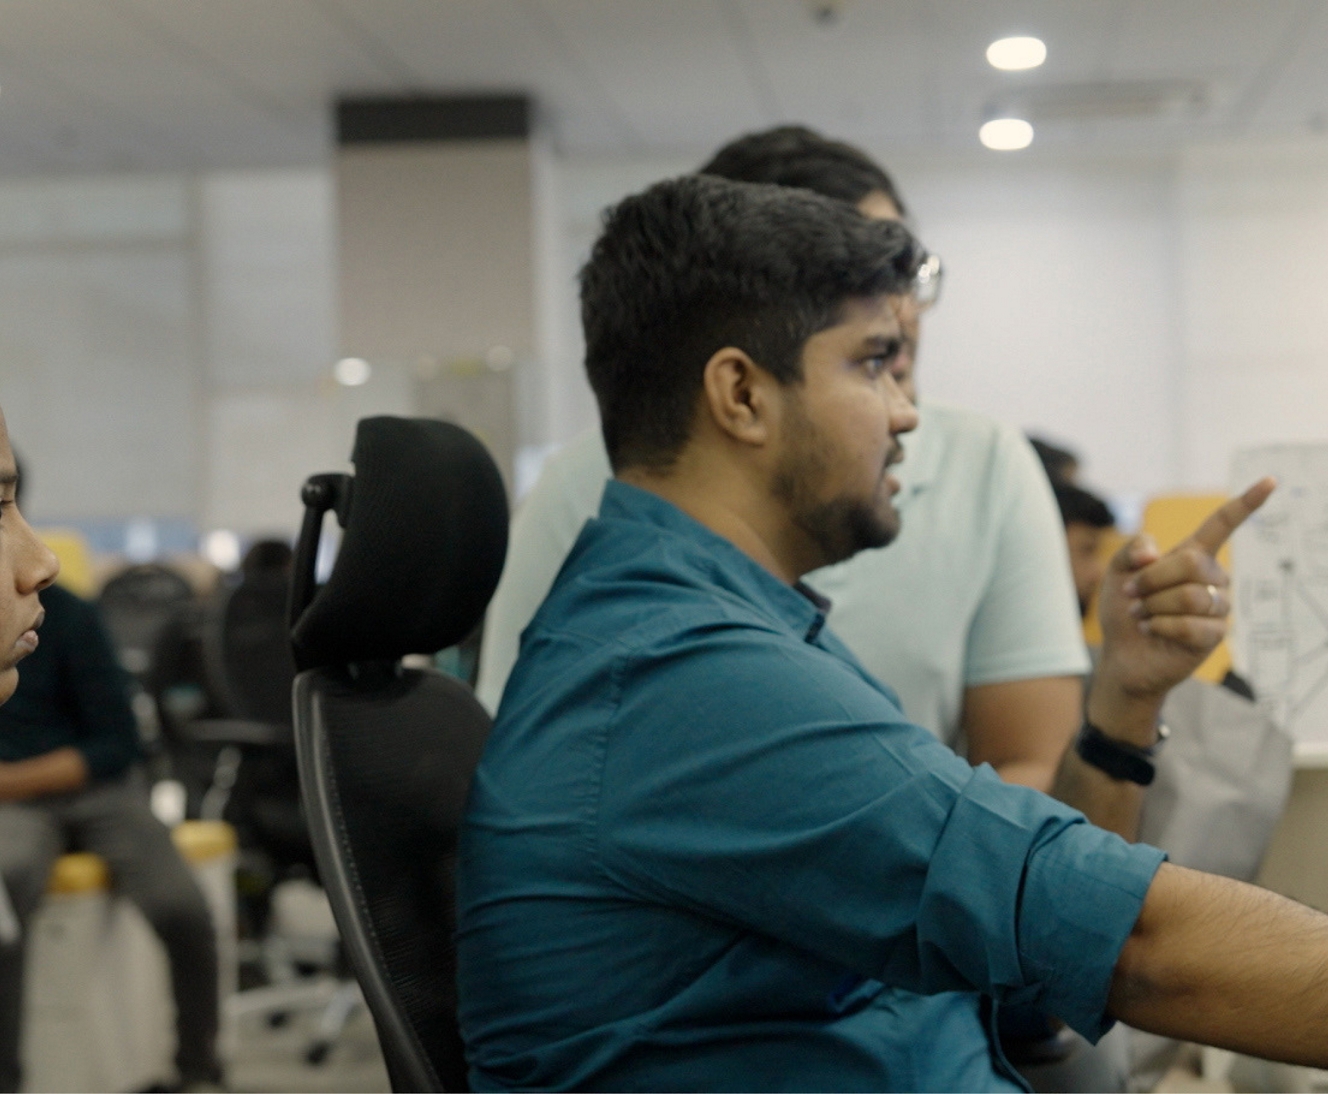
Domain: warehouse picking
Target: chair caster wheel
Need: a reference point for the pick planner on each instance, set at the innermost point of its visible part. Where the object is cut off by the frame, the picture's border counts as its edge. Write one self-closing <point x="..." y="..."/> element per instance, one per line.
<point x="317" y="1053"/>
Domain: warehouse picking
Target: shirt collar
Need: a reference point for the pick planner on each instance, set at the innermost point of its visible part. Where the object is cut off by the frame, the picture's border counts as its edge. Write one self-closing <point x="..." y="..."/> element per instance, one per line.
<point x="796" y="606"/>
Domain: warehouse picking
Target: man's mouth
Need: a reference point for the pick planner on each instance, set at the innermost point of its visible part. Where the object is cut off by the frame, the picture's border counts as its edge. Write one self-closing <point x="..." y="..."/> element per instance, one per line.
<point x="28" y="640"/>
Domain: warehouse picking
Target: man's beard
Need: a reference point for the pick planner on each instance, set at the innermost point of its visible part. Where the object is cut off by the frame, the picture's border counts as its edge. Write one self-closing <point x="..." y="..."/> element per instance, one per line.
<point x="842" y="526"/>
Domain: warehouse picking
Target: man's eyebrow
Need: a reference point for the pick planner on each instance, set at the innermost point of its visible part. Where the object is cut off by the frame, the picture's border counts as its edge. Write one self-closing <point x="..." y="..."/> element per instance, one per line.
<point x="881" y="341"/>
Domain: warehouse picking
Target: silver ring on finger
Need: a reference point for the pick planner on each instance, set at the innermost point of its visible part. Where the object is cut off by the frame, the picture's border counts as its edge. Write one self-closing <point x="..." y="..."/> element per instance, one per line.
<point x="1214" y="604"/>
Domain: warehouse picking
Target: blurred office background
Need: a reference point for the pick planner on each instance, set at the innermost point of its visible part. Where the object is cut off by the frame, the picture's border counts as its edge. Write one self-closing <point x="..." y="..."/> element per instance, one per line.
<point x="213" y="262"/>
<point x="1146" y="280"/>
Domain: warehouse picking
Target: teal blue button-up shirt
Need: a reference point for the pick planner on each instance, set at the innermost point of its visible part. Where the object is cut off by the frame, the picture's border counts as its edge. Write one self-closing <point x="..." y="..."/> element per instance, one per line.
<point x="704" y="850"/>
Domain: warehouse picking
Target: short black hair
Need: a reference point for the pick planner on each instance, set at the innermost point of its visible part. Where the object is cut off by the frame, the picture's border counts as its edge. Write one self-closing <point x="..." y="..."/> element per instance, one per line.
<point x="793" y="155"/>
<point x="1080" y="506"/>
<point x="1059" y="463"/>
<point x="694" y="264"/>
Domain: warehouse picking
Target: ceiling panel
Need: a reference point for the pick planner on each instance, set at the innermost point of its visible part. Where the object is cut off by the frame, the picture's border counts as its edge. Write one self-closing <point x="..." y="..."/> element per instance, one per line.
<point x="496" y="45"/>
<point x="280" y="56"/>
<point x="172" y="84"/>
<point x="866" y="72"/>
<point x="1292" y="98"/>
<point x="681" y="73"/>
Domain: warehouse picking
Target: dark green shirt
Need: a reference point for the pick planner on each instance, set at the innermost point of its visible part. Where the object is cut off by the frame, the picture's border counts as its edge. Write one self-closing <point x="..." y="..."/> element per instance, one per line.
<point x="72" y="692"/>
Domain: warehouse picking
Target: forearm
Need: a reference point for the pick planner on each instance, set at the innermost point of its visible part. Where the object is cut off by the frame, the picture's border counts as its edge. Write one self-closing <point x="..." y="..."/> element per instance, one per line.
<point x="50" y="773"/>
<point x="1223" y="963"/>
<point x="1113" y="804"/>
<point x="1022" y="727"/>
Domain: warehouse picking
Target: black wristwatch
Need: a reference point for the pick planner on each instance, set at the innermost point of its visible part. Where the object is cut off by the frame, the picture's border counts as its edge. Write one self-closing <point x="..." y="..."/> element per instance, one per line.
<point x="1116" y="758"/>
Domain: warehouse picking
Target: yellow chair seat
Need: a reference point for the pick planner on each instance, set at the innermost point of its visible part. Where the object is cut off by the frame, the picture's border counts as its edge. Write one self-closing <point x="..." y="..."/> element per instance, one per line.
<point x="78" y="872"/>
<point x="197" y="841"/>
<point x="202" y="841"/>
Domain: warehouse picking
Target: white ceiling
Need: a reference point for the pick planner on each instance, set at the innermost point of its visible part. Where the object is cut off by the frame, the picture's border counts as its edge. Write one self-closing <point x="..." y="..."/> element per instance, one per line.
<point x="91" y="85"/>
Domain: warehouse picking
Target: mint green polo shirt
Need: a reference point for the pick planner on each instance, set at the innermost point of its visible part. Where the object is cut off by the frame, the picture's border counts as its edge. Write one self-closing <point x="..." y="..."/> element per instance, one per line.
<point x="704" y="850"/>
<point x="976" y="589"/>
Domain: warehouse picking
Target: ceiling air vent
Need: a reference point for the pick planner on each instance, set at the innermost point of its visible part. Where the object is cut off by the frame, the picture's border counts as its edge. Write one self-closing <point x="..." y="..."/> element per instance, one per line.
<point x="1135" y="100"/>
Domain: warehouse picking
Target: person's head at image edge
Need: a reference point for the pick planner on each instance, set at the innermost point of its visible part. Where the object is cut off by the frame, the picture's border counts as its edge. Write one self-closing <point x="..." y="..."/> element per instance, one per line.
<point x="26" y="567"/>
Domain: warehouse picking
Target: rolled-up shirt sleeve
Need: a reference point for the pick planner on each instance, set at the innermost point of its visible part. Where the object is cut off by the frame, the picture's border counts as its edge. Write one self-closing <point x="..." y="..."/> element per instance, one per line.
<point x="792" y="797"/>
<point x="1082" y="895"/>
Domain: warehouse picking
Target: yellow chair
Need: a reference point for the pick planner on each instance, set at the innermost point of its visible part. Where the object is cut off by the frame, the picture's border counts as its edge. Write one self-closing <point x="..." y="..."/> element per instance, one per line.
<point x="76" y="570"/>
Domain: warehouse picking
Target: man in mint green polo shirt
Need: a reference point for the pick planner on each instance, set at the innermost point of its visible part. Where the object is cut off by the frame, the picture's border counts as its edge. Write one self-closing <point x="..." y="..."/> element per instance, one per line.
<point x="704" y="848"/>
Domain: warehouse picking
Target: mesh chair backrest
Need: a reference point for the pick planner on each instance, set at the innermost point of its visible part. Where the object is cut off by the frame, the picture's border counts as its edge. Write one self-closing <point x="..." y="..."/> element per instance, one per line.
<point x="248" y="648"/>
<point x="386" y="755"/>
<point x="137" y="605"/>
<point x="385" y="771"/>
<point x="426" y="535"/>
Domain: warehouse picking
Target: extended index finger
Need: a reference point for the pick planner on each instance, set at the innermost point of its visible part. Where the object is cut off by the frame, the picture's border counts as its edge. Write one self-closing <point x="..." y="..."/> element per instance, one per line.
<point x="1217" y="529"/>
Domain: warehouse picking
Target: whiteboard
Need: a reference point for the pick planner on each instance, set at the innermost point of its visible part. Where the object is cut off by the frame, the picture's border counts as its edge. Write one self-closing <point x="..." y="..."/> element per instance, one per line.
<point x="1280" y="575"/>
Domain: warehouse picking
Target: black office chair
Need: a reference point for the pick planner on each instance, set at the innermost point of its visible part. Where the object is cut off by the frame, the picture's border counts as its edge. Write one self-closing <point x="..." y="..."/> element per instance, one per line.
<point x="247" y="652"/>
<point x="386" y="753"/>
<point x="138" y="604"/>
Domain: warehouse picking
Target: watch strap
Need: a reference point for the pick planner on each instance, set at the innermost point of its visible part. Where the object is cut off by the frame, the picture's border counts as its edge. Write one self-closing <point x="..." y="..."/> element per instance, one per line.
<point x="1116" y="758"/>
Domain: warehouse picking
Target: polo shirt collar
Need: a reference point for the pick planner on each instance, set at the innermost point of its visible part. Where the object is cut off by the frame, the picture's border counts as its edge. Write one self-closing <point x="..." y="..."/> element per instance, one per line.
<point x="797" y="607"/>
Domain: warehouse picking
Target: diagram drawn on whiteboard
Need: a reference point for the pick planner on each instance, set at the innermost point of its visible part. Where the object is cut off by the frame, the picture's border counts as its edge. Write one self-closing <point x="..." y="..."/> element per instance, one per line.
<point x="1280" y="564"/>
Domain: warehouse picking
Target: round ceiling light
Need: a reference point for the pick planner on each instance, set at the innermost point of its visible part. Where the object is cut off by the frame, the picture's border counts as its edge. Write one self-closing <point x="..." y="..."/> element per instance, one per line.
<point x="1006" y="134"/>
<point x="352" y="371"/>
<point x="1016" y="54"/>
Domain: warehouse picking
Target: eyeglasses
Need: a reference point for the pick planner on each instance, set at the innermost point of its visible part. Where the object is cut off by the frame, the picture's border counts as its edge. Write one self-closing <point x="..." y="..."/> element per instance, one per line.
<point x="927" y="282"/>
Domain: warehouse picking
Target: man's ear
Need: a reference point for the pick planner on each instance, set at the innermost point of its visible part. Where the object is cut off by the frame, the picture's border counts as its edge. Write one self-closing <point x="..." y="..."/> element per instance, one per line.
<point x="736" y="396"/>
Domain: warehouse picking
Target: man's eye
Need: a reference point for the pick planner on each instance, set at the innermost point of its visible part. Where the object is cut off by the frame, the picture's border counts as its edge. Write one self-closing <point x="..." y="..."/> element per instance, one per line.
<point x="881" y="362"/>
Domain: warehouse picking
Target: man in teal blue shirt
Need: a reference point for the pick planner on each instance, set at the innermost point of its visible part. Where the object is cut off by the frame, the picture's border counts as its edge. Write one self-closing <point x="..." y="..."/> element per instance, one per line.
<point x="704" y="849"/>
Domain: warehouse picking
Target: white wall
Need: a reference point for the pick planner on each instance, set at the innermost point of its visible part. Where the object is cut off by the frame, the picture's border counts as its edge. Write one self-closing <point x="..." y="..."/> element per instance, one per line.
<point x="165" y="342"/>
<point x="1253" y="245"/>
<point x="165" y="346"/>
<point x="1155" y="311"/>
<point x="1059" y="304"/>
<point x="1059" y="311"/>
<point x="100" y="359"/>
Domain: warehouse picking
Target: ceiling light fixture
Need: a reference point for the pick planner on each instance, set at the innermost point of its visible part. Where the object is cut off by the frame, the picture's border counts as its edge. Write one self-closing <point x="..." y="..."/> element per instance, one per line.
<point x="1006" y="134"/>
<point x="1016" y="54"/>
<point x="352" y="371"/>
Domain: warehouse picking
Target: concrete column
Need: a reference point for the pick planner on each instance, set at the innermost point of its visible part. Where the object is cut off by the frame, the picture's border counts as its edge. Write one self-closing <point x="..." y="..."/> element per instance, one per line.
<point x="439" y="251"/>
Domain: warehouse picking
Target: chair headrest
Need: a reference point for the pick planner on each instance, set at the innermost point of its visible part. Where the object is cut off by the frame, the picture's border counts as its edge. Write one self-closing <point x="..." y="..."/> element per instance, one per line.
<point x="425" y="520"/>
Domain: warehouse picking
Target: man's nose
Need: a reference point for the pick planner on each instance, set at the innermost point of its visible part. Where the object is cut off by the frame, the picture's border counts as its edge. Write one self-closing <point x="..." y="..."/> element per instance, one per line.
<point x="903" y="414"/>
<point x="38" y="566"/>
